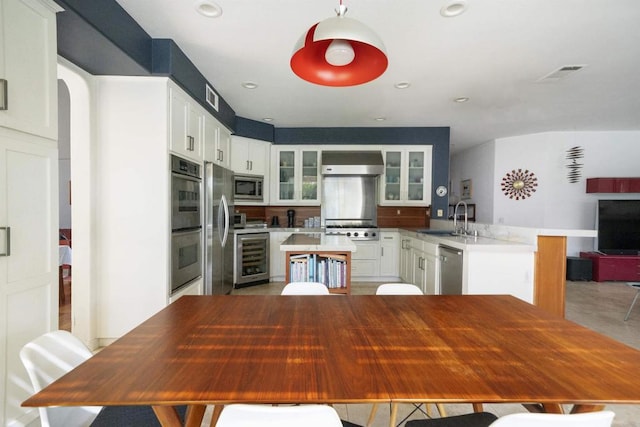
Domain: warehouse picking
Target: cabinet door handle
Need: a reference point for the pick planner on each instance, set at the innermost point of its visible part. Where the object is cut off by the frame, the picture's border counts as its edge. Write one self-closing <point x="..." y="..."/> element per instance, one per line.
<point x="248" y="165"/>
<point x="4" y="94"/>
<point x="220" y="155"/>
<point x="251" y="165"/>
<point x="381" y="251"/>
<point x="7" y="250"/>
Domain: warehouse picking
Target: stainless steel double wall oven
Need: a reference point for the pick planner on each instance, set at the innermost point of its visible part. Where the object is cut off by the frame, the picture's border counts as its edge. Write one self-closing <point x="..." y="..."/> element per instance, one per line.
<point x="186" y="222"/>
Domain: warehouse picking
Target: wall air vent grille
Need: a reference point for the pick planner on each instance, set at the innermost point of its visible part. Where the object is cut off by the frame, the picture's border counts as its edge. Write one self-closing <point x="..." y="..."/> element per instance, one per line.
<point x="211" y="97"/>
<point x="561" y="73"/>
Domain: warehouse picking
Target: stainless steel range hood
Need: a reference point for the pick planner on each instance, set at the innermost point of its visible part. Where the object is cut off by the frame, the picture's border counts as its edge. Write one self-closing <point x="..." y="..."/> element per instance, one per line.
<point x="361" y="163"/>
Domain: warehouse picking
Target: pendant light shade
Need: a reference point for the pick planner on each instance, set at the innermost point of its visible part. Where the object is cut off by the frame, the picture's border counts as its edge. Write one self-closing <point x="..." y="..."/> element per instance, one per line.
<point x="339" y="51"/>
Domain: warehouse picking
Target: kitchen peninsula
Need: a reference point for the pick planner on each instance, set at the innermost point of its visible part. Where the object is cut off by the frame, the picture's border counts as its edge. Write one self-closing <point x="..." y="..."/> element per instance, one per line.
<point x="318" y="257"/>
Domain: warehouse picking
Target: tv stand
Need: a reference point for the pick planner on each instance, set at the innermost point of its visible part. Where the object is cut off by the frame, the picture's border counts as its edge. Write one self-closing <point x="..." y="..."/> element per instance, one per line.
<point x="616" y="267"/>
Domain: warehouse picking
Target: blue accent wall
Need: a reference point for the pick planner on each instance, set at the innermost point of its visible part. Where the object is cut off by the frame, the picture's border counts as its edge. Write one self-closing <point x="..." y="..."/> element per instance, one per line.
<point x="170" y="60"/>
<point x="254" y="129"/>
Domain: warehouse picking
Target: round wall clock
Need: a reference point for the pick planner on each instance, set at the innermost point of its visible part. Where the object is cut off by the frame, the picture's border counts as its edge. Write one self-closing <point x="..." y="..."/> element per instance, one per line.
<point x="441" y="191"/>
<point x="519" y="184"/>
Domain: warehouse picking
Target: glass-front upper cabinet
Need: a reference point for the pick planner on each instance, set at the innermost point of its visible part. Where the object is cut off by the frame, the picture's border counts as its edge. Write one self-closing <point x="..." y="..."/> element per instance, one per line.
<point x="407" y="176"/>
<point x="415" y="175"/>
<point x="309" y="175"/>
<point x="287" y="175"/>
<point x="298" y="176"/>
<point x="392" y="175"/>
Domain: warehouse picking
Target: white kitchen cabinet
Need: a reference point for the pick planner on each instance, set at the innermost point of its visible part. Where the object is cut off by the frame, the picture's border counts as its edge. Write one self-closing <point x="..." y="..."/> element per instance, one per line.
<point x="186" y="122"/>
<point x="295" y="176"/>
<point x="28" y="193"/>
<point x="250" y="156"/>
<point x="389" y="254"/>
<point x="365" y="261"/>
<point x="424" y="265"/>
<point x="406" y="266"/>
<point x="431" y="268"/>
<point x="28" y="258"/>
<point x="276" y="256"/>
<point x="28" y="64"/>
<point x="138" y="232"/>
<point x="217" y="141"/>
<point x="407" y="176"/>
<point x="418" y="275"/>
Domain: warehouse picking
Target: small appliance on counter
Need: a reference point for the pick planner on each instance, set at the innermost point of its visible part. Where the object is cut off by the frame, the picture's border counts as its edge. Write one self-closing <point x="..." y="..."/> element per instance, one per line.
<point x="291" y="218"/>
<point x="275" y="221"/>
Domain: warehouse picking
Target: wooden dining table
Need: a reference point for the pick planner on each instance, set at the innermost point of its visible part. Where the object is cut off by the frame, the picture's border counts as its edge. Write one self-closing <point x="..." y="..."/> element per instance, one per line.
<point x="203" y="350"/>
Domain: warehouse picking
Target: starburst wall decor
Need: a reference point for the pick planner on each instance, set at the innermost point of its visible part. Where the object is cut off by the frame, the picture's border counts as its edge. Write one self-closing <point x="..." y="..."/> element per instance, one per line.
<point x="519" y="184"/>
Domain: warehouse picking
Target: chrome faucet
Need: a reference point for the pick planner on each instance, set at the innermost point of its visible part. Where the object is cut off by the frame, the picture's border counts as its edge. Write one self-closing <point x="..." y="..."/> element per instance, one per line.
<point x="455" y="218"/>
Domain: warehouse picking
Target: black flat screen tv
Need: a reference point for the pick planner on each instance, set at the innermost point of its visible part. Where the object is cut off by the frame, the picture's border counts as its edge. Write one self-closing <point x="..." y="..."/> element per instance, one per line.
<point x="619" y="227"/>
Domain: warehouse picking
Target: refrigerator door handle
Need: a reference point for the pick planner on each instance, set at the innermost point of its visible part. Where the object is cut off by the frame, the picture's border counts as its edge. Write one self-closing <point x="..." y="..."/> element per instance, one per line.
<point x="225" y="206"/>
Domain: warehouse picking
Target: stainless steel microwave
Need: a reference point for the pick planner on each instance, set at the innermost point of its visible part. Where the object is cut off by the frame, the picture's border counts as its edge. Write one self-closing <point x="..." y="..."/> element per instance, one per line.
<point x="248" y="187"/>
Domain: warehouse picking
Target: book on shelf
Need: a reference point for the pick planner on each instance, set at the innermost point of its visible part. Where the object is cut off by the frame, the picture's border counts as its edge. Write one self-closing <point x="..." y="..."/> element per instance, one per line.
<point x="329" y="269"/>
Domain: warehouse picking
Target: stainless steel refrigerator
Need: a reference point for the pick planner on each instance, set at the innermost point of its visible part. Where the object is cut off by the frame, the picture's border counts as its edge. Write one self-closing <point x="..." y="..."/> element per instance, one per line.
<point x="219" y="237"/>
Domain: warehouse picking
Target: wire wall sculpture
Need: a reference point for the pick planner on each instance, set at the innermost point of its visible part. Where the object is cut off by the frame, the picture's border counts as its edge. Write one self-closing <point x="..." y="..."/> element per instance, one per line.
<point x="519" y="184"/>
<point x="573" y="155"/>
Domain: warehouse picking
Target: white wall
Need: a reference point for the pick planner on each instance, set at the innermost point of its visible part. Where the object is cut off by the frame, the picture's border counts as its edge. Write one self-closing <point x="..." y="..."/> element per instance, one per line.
<point x="556" y="203"/>
<point x="479" y="168"/>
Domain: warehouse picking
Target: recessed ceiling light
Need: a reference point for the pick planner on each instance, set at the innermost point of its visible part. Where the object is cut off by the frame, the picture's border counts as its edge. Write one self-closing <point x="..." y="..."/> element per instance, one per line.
<point x="208" y="8"/>
<point x="380" y="119"/>
<point x="461" y="99"/>
<point x="267" y="119"/>
<point x="402" y="85"/>
<point x="249" y="85"/>
<point x="453" y="8"/>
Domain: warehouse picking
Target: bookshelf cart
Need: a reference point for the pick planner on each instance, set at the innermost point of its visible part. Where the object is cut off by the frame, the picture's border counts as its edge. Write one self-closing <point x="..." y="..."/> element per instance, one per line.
<point x="315" y="257"/>
<point x="333" y="268"/>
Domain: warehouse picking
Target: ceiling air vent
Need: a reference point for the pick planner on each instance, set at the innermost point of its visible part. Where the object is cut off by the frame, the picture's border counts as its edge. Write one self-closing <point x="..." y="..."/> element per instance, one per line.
<point x="211" y="97"/>
<point x="561" y="73"/>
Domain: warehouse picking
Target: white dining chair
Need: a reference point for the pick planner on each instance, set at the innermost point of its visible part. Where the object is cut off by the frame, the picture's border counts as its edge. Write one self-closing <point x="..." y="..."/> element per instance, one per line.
<point x="241" y="415"/>
<point x="46" y="359"/>
<point x="305" y="288"/>
<point x="398" y="289"/>
<point x="55" y="353"/>
<point x="484" y="419"/>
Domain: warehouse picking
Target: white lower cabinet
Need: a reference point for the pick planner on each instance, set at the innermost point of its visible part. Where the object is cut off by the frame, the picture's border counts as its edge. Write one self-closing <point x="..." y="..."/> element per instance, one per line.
<point x="389" y="254"/>
<point x="424" y="266"/>
<point x="365" y="261"/>
<point x="276" y="256"/>
<point x="406" y="261"/>
<point x="431" y="266"/>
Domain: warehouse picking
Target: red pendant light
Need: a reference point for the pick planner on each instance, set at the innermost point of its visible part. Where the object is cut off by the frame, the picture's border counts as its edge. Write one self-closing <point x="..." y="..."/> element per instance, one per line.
<point x="339" y="51"/>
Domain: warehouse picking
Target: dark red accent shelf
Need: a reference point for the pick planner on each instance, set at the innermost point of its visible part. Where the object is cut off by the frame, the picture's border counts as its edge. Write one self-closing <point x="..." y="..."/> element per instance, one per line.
<point x="613" y="185"/>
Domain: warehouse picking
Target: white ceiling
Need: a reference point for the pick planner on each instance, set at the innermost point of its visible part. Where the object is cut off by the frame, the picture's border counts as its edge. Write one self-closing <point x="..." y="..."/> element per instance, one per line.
<point x="494" y="53"/>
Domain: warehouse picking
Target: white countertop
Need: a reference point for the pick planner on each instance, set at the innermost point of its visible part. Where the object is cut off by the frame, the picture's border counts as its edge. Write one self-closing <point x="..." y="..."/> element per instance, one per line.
<point x="310" y="242"/>
<point x="471" y="243"/>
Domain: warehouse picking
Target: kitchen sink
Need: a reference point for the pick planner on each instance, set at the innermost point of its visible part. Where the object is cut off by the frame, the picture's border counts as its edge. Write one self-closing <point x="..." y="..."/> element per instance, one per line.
<point x="437" y="232"/>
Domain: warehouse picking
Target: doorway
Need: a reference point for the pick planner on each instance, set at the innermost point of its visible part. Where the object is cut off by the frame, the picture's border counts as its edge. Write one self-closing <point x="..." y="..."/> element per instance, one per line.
<point x="75" y="115"/>
<point x="64" y="208"/>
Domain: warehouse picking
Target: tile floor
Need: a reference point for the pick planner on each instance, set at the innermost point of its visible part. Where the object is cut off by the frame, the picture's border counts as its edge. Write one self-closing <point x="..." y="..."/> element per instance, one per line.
<point x="598" y="306"/>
